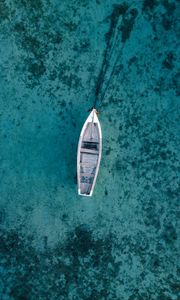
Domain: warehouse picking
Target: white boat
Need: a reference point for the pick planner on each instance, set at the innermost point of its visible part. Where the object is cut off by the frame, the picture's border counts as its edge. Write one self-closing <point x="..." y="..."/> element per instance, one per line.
<point x="89" y="154"/>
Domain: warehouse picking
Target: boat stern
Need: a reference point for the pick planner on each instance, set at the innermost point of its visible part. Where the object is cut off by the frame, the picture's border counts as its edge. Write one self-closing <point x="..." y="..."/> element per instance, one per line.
<point x="85" y="195"/>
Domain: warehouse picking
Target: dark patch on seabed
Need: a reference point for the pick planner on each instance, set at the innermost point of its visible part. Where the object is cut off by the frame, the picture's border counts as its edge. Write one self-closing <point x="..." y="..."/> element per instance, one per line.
<point x="58" y="59"/>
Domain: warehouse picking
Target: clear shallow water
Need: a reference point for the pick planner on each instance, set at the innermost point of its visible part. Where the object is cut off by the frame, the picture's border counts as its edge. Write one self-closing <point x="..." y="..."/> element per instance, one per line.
<point x="123" y="242"/>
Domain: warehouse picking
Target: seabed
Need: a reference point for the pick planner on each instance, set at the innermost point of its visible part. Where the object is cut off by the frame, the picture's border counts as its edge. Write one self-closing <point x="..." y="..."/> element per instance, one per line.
<point x="122" y="243"/>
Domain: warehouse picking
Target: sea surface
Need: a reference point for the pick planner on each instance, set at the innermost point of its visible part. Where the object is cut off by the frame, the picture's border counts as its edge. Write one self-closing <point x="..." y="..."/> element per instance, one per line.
<point x="57" y="60"/>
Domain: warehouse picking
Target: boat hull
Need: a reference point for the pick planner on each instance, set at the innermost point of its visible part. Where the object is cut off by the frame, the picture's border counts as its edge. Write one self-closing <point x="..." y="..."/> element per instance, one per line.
<point x="89" y="154"/>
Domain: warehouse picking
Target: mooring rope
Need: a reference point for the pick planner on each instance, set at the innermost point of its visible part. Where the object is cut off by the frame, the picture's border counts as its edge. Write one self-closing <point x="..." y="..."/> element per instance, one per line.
<point x="122" y="19"/>
<point x="111" y="46"/>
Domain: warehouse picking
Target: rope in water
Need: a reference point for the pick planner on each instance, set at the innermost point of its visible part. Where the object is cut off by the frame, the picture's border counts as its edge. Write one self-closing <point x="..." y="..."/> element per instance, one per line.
<point x="122" y="19"/>
<point x="111" y="48"/>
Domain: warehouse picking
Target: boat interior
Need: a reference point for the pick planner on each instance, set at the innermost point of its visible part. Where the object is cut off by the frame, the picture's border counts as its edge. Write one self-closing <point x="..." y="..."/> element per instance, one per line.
<point x="89" y="153"/>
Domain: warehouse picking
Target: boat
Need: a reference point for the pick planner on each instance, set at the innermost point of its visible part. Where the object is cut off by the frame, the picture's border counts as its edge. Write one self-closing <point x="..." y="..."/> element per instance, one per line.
<point x="89" y="154"/>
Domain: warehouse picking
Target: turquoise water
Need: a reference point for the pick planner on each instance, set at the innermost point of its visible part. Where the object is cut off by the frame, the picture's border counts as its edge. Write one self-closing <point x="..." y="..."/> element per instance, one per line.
<point x="56" y="59"/>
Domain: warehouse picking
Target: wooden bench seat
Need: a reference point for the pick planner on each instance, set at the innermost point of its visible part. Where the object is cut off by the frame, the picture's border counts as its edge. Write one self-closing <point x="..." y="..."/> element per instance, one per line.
<point x="83" y="150"/>
<point x="91" y="141"/>
<point x="87" y="174"/>
<point x="88" y="164"/>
